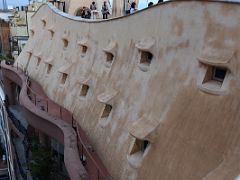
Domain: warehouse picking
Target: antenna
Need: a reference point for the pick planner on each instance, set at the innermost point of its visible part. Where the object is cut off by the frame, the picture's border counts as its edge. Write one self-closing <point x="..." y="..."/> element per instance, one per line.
<point x="4" y="4"/>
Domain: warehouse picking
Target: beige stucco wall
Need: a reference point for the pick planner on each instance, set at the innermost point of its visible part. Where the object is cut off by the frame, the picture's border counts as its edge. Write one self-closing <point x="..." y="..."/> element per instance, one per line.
<point x="197" y="127"/>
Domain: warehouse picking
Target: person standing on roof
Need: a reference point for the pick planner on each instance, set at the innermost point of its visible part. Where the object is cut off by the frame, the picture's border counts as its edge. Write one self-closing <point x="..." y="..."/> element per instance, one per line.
<point x="105" y="10"/>
<point x="133" y="8"/>
<point x="127" y="7"/>
<point x="93" y="6"/>
<point x="150" y="4"/>
<point x="93" y="9"/>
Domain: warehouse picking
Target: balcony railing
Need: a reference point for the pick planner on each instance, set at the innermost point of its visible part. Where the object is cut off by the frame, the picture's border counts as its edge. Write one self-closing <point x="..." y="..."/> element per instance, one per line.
<point x="88" y="156"/>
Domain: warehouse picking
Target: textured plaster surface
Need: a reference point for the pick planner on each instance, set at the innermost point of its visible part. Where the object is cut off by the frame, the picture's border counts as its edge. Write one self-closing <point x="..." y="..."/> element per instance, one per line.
<point x="197" y="134"/>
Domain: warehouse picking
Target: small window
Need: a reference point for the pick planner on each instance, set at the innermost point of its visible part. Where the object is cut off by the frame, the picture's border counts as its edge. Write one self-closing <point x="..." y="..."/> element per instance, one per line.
<point x="110" y="57"/>
<point x="44" y="23"/>
<point x="84" y="90"/>
<point x="32" y="32"/>
<point x="139" y="146"/>
<point x="49" y="68"/>
<point x="107" y="110"/>
<point x="65" y="43"/>
<point x="64" y="78"/>
<point x="146" y="58"/>
<point x="218" y="74"/>
<point x="52" y="33"/>
<point x="215" y="76"/>
<point x="38" y="61"/>
<point x="30" y="56"/>
<point x="84" y="49"/>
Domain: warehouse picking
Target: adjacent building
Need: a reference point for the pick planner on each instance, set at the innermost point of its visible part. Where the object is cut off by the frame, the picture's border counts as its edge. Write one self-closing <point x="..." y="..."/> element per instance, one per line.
<point x="4" y="37"/>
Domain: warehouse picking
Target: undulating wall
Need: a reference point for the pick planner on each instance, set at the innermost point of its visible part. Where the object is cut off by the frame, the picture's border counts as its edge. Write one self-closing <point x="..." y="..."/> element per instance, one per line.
<point x="152" y="72"/>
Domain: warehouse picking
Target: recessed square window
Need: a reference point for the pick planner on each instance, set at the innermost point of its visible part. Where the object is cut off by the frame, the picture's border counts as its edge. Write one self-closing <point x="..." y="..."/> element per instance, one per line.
<point x="84" y="90"/>
<point x="214" y="76"/>
<point x="65" y="43"/>
<point x="84" y="49"/>
<point x="218" y="74"/>
<point x="146" y="58"/>
<point x="38" y="61"/>
<point x="49" y="68"/>
<point x="139" y="146"/>
<point x="30" y="56"/>
<point x="32" y="32"/>
<point x="109" y="57"/>
<point x="213" y="79"/>
<point x="64" y="78"/>
<point x="51" y="33"/>
<point x="44" y="23"/>
<point x="107" y="110"/>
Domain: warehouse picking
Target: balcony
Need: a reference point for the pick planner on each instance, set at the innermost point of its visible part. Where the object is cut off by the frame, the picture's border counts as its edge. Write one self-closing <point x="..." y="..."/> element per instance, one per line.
<point x="59" y="123"/>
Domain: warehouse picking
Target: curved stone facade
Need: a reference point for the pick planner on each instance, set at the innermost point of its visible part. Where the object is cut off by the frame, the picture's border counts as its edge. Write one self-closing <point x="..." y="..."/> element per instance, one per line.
<point x="157" y="92"/>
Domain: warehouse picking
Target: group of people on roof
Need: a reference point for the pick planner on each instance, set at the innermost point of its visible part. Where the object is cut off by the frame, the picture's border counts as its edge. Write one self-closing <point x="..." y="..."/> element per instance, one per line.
<point x="132" y="7"/>
<point x="92" y="12"/>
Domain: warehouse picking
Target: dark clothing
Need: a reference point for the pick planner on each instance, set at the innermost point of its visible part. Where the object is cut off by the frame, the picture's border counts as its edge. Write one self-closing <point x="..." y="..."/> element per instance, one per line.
<point x="150" y="4"/>
<point x="86" y="14"/>
<point x="93" y="7"/>
<point x="105" y="11"/>
<point x="105" y="16"/>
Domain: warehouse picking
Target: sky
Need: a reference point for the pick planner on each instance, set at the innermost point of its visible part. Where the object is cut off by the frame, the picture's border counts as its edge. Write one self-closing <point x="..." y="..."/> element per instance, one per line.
<point x="142" y="3"/>
<point x="14" y="2"/>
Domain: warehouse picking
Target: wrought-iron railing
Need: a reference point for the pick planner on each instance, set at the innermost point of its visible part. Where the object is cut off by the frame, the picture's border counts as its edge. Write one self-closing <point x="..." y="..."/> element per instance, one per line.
<point x="88" y="156"/>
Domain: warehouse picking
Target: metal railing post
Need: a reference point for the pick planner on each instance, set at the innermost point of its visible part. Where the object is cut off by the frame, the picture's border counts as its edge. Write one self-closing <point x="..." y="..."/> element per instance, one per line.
<point x="97" y="173"/>
<point x="82" y="152"/>
<point x="72" y="120"/>
<point x="60" y="112"/>
<point x="47" y="105"/>
<point x="35" y="99"/>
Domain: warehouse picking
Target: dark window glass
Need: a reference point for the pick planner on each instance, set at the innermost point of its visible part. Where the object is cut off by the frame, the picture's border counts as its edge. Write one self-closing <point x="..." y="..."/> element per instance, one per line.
<point x="219" y="74"/>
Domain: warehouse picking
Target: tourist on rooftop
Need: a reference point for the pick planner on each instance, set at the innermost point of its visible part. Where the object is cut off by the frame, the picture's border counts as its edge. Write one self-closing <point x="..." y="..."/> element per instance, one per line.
<point x="127" y="7"/>
<point x="86" y="13"/>
<point x="150" y="4"/>
<point x="93" y="6"/>
<point x="133" y="8"/>
<point x="94" y="11"/>
<point x="105" y="10"/>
